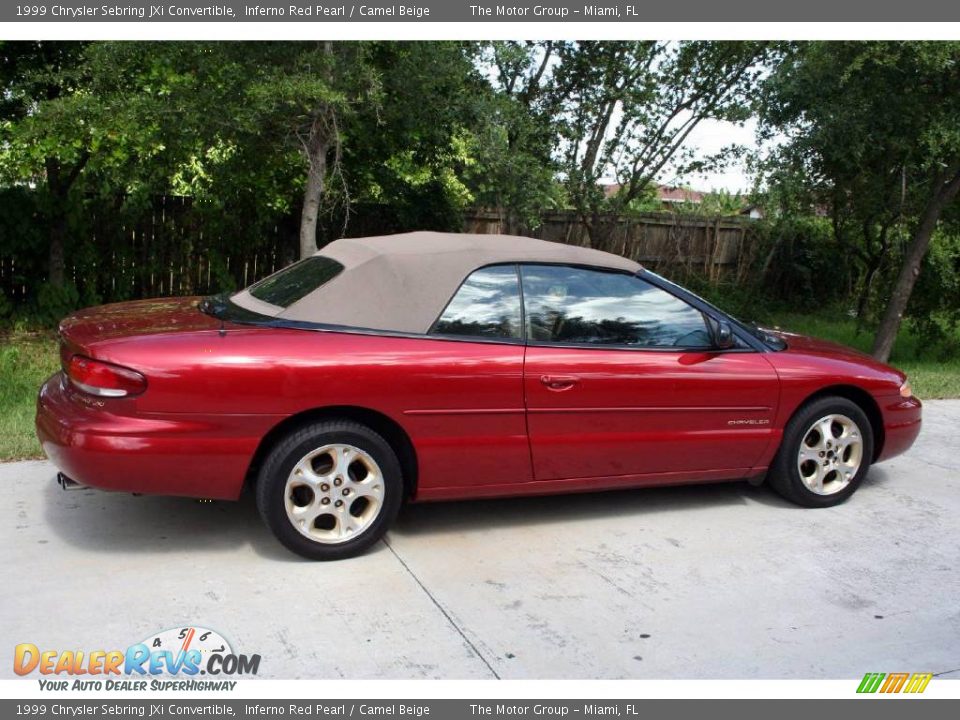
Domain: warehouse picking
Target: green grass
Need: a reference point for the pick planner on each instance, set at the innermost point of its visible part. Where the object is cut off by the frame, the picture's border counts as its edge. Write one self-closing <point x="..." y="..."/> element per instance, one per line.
<point x="929" y="378"/>
<point x="27" y="359"/>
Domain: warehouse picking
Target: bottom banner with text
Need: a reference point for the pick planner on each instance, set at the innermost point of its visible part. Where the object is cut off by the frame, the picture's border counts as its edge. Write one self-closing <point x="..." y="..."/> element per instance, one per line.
<point x="455" y="709"/>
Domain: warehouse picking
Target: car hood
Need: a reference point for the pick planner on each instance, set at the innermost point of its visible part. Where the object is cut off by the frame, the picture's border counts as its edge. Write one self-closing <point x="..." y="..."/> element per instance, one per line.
<point x="137" y="318"/>
<point x="816" y="347"/>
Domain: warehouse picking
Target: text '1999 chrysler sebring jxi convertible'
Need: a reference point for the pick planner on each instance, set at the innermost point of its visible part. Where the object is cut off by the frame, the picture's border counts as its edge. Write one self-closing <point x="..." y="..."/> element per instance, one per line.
<point x="432" y="366"/>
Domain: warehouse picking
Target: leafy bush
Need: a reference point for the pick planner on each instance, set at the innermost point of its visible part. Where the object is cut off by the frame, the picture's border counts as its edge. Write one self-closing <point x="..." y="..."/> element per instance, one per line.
<point x="934" y="309"/>
<point x="807" y="268"/>
<point x="53" y="303"/>
<point x="6" y="308"/>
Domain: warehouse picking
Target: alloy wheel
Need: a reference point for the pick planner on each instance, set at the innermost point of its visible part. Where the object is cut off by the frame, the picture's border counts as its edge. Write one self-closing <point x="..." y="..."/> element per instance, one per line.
<point x="334" y="493"/>
<point x="830" y="455"/>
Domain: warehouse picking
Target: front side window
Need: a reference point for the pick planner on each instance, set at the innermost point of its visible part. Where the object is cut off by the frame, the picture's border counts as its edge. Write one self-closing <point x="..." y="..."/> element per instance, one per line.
<point x="594" y="307"/>
<point x="487" y="305"/>
<point x="295" y="282"/>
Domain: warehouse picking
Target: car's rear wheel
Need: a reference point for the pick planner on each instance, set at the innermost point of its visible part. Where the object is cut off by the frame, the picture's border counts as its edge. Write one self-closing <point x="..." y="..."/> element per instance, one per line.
<point x="330" y="489"/>
<point x="826" y="452"/>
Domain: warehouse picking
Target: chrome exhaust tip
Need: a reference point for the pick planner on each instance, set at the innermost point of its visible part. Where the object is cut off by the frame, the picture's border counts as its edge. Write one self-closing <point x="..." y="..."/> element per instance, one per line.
<point x="68" y="484"/>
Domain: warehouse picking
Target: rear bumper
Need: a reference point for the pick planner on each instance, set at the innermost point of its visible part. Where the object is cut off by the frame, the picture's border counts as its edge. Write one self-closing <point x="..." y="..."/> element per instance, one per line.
<point x="104" y="444"/>
<point x="902" y="418"/>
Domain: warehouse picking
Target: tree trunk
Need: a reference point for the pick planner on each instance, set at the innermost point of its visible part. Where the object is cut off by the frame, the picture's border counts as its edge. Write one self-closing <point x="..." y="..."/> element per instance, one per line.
<point x="874" y="260"/>
<point x="57" y="230"/>
<point x="864" y="299"/>
<point x="511" y="221"/>
<point x="323" y="135"/>
<point x="312" y="195"/>
<point x="58" y="185"/>
<point x="601" y="230"/>
<point x="945" y="190"/>
<point x="58" y="234"/>
<point x="772" y="255"/>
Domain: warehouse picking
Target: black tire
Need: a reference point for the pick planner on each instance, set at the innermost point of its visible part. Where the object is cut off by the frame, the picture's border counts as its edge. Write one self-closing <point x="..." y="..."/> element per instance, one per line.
<point x="283" y="459"/>
<point x="785" y="475"/>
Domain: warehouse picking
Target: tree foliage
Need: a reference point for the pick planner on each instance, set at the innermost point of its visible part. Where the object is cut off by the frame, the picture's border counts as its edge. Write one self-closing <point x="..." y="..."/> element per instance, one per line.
<point x="513" y="144"/>
<point x="872" y="126"/>
<point x="303" y="142"/>
<point x="572" y="116"/>
<point x="628" y="109"/>
<point x="274" y="128"/>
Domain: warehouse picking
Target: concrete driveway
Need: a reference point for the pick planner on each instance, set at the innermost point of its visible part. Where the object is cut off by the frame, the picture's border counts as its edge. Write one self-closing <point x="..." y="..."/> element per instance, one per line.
<point x="697" y="582"/>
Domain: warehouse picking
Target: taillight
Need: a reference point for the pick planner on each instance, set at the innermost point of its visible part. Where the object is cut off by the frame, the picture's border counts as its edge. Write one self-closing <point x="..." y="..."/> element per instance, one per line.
<point x="104" y="379"/>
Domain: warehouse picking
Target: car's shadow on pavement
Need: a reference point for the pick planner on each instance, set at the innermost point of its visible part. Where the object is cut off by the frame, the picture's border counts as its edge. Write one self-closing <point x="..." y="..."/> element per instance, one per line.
<point x="120" y="523"/>
<point x="876" y="478"/>
<point x="107" y="522"/>
<point x="481" y="515"/>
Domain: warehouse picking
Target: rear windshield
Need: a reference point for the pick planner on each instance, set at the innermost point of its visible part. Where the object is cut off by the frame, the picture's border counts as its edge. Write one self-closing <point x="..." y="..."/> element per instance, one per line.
<point x="293" y="283"/>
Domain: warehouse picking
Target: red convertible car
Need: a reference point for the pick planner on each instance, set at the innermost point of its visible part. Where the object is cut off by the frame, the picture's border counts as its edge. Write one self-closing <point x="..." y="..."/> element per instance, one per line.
<point x="436" y="366"/>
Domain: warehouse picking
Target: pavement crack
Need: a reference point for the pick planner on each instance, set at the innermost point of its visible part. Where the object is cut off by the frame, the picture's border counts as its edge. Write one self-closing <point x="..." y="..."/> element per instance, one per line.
<point x="442" y="610"/>
<point x="946" y="672"/>
<point x="616" y="586"/>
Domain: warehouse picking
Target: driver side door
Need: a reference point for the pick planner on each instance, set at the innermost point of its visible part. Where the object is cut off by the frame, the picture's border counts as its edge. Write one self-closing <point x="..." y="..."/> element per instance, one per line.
<point x="621" y="381"/>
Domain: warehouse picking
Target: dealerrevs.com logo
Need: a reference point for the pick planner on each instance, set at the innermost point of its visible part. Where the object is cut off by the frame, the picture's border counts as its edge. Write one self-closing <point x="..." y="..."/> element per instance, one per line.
<point x="153" y="664"/>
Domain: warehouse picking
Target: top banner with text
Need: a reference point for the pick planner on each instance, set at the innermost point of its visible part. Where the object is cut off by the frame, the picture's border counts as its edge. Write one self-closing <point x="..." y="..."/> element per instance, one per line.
<point x="323" y="11"/>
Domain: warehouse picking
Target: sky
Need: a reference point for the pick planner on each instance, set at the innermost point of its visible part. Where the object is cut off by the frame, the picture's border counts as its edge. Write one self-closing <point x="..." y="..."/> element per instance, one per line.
<point x="710" y="136"/>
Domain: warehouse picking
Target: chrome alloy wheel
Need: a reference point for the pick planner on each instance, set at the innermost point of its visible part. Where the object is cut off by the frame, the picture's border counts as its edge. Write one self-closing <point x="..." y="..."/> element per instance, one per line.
<point x="830" y="454"/>
<point x="334" y="493"/>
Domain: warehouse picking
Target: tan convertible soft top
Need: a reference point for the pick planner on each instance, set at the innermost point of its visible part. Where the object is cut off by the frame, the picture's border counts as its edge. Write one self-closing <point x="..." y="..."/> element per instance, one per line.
<point x="401" y="283"/>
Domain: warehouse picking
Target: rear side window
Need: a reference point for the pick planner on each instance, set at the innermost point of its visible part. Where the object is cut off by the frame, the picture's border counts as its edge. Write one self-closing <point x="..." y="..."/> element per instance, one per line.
<point x="295" y="282"/>
<point x="487" y="305"/>
<point x="594" y="307"/>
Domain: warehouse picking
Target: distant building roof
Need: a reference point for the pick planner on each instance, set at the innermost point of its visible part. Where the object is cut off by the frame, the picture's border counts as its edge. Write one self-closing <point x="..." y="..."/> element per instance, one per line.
<point x="674" y="194"/>
<point x="665" y="193"/>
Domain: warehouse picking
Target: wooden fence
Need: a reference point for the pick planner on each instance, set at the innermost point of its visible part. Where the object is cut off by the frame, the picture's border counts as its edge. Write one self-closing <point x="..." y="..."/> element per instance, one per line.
<point x="167" y="248"/>
<point x="171" y="248"/>
<point x="712" y="247"/>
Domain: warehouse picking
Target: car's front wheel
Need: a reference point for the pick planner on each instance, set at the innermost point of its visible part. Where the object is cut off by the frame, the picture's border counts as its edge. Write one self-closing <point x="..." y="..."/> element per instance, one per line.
<point x="330" y="489"/>
<point x="825" y="454"/>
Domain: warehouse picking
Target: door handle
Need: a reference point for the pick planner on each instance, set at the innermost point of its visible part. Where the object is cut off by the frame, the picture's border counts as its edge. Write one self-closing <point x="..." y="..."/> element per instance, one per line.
<point x="559" y="382"/>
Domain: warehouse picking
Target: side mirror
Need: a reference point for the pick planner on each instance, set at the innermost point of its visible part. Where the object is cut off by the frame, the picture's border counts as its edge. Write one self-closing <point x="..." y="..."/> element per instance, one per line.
<point x="723" y="336"/>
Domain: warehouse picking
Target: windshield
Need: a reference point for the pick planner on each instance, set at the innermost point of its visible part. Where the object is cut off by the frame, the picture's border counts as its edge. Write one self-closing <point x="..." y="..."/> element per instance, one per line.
<point x="769" y="339"/>
<point x="774" y="342"/>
